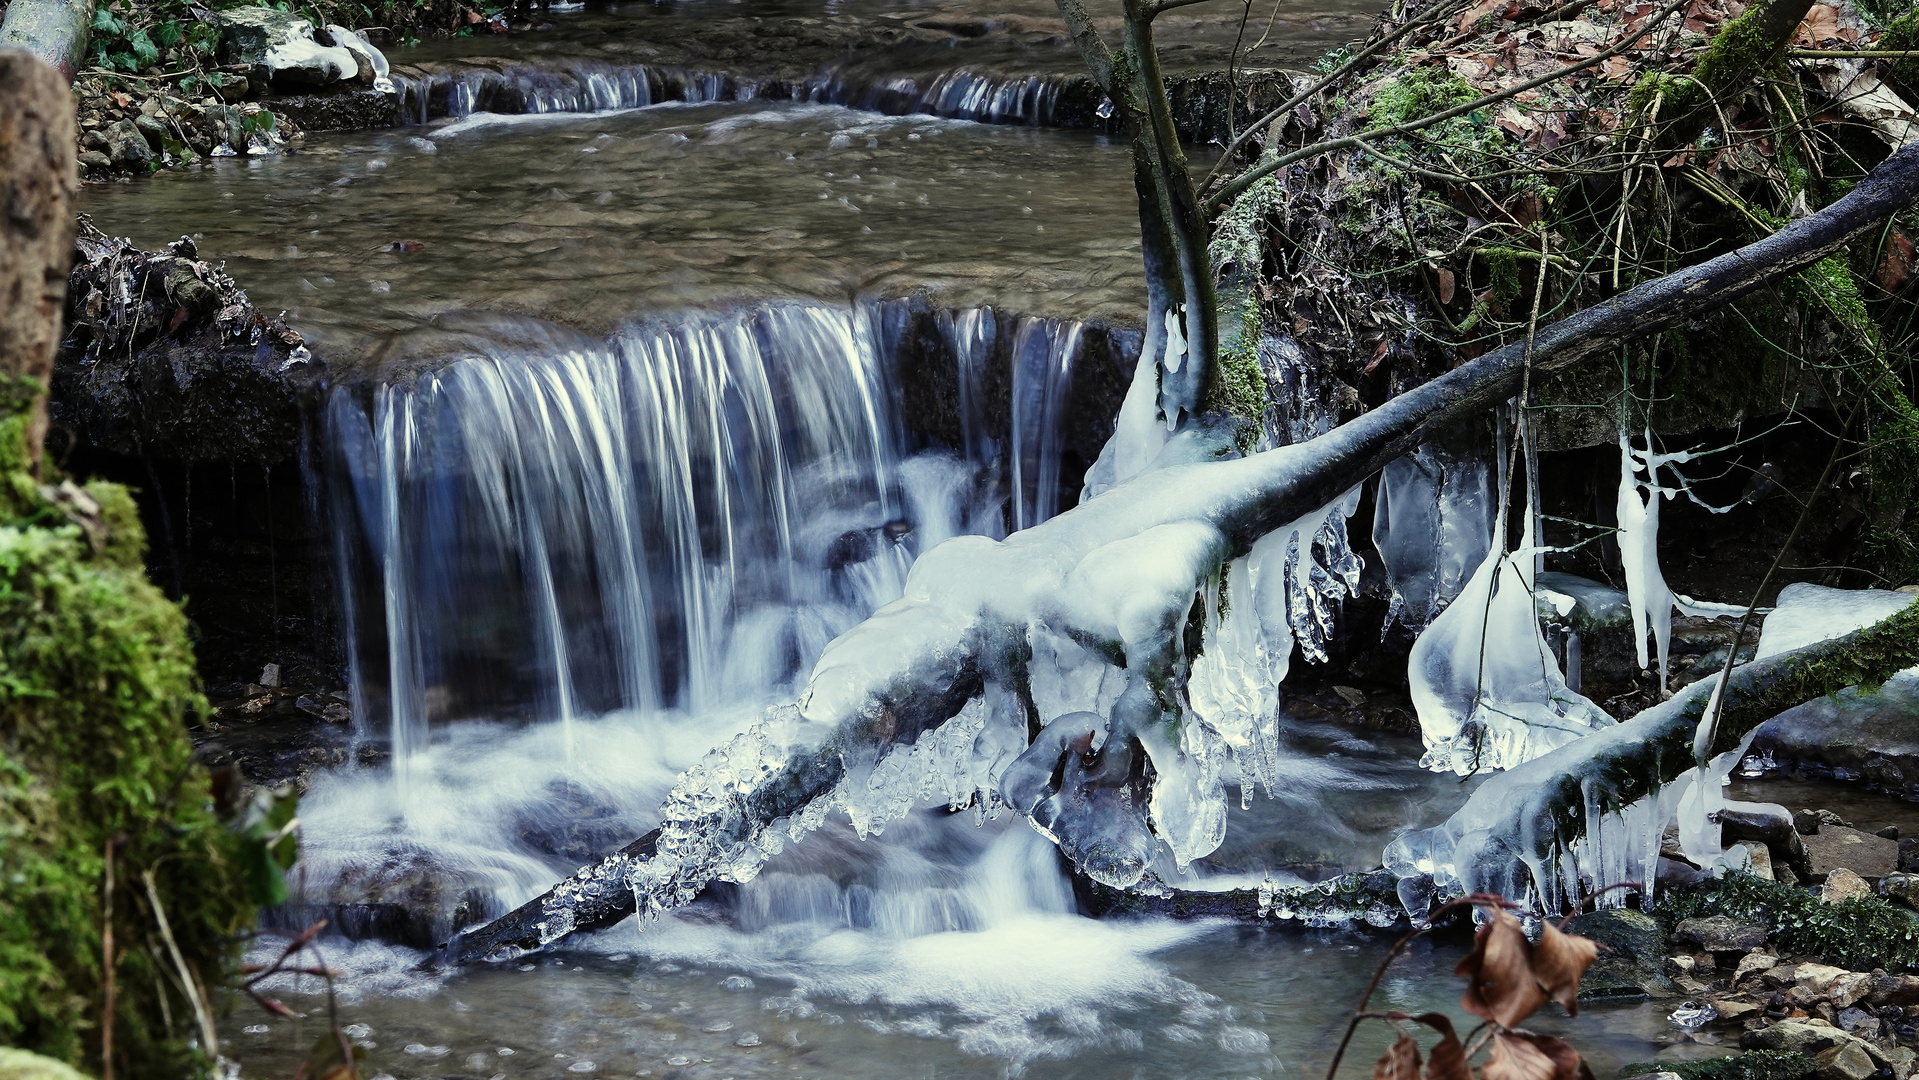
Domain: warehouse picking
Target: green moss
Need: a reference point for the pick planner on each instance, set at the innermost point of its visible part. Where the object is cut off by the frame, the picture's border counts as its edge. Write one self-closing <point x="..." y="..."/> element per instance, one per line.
<point x="97" y="686"/>
<point x="1757" y="1065"/>
<point x="1419" y="93"/>
<point x="1862" y="933"/>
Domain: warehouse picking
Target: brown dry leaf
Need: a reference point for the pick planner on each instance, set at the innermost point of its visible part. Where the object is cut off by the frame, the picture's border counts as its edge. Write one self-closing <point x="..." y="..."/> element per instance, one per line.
<point x="1559" y="959"/>
<point x="1399" y="1063"/>
<point x="1447" y="285"/>
<point x="1448" y="1061"/>
<point x="1500" y="984"/>
<point x="1897" y="267"/>
<point x="1524" y="1052"/>
<point x="1516" y="1058"/>
<point x="1616" y="67"/>
<point x="1822" y="22"/>
<point x="1478" y="11"/>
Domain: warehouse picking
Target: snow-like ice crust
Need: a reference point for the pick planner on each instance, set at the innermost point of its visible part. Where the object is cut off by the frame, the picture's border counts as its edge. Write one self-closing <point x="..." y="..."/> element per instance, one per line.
<point x="1808" y="613"/>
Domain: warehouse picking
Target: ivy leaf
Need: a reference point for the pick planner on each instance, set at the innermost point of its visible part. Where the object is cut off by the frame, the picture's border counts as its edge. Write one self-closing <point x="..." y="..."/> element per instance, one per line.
<point x="168" y="34"/>
<point x="105" y="23"/>
<point x="144" y="49"/>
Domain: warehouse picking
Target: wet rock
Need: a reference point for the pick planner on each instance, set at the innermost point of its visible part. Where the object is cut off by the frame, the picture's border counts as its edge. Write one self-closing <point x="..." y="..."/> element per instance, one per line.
<point x="1806" y="822"/>
<point x="282" y="49"/>
<point x="1719" y="933"/>
<point x="1602" y="618"/>
<point x="165" y="356"/>
<point x="347" y="110"/>
<point x="1836" y="847"/>
<point x="155" y="130"/>
<point x="1632" y="962"/>
<point x="1848" y="1061"/>
<point x="1870" y="737"/>
<point x="126" y="146"/>
<point x="1900" y="888"/>
<point x="1808" y="1037"/>
<point x="1842" y="884"/>
<point x="93" y="161"/>
<point x="1753" y="963"/>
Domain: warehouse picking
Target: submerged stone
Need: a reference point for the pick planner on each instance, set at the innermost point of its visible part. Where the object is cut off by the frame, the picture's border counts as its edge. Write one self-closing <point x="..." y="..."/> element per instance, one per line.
<point x="1632" y="962"/>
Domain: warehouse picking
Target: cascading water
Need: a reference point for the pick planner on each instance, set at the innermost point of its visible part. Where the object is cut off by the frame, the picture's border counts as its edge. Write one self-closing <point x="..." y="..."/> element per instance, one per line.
<point x="585" y="86"/>
<point x="624" y="550"/>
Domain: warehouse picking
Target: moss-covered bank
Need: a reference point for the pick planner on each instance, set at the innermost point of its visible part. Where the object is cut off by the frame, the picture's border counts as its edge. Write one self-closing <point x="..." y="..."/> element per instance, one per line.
<point x="97" y="688"/>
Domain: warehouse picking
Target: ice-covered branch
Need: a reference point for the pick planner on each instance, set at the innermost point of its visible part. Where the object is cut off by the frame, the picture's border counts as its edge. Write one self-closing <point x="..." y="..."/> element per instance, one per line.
<point x="1115" y="582"/>
<point x="1533" y="828"/>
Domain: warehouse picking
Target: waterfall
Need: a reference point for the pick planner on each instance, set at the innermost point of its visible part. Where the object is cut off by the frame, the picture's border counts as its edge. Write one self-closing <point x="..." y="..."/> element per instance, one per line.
<point x="679" y="518"/>
<point x="581" y="86"/>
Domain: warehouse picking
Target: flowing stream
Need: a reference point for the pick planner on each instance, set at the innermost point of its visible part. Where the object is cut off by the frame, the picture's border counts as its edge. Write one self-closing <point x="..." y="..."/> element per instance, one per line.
<point x="641" y="395"/>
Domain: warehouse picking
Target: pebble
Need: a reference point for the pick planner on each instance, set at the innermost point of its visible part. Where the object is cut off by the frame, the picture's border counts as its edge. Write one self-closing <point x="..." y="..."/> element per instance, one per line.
<point x="737" y="982"/>
<point x="679" y="1060"/>
<point x="423" y="1050"/>
<point x="581" y="1067"/>
<point x="718" y="1026"/>
<point x="748" y="1039"/>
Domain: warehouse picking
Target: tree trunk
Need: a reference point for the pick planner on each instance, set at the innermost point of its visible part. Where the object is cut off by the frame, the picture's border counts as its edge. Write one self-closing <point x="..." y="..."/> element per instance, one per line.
<point x="37" y="181"/>
<point x="1118" y="571"/>
<point x="56" y="31"/>
<point x="1173" y="230"/>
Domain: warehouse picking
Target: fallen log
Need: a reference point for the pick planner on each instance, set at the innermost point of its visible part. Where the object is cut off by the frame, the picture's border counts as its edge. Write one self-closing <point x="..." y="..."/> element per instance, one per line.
<point x="37" y="182"/>
<point x="1117" y="573"/>
<point x="55" y="31"/>
<point x="1514" y="830"/>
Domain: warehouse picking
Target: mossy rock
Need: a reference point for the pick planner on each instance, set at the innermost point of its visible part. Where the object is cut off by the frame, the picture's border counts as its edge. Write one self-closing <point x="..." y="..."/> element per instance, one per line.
<point x="24" y="1065"/>
<point x="97" y="687"/>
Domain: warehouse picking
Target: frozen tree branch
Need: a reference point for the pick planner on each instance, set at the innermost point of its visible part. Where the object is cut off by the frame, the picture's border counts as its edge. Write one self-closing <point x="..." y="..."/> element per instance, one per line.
<point x="1118" y="575"/>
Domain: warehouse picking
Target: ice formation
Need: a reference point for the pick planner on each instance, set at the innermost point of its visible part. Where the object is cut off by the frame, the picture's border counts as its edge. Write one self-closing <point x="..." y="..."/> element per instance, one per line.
<point x="1488" y="689"/>
<point x="1433" y="528"/>
<point x="1652" y="600"/>
<point x="1808" y="613"/>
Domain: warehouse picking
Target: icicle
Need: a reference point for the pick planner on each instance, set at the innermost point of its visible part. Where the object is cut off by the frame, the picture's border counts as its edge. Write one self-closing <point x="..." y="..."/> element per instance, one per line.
<point x="1487" y="688"/>
<point x="1432" y="528"/>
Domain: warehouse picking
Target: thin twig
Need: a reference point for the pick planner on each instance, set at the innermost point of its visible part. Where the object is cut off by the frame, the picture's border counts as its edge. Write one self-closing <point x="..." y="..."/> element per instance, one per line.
<point x="202" y="1013"/>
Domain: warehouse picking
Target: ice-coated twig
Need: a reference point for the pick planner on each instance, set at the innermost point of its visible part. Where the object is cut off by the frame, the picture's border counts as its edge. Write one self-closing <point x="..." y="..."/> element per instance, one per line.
<point x="1523" y="831"/>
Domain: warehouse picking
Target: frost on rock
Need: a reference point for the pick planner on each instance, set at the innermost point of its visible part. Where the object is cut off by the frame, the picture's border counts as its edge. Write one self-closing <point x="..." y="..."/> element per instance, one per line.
<point x="1488" y="689"/>
<point x="1808" y="613"/>
<point x="1432" y="527"/>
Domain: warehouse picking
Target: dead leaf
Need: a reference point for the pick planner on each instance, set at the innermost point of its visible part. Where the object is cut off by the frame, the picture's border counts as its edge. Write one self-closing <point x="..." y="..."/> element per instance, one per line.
<point x="1472" y="15"/>
<point x="1559" y="959"/>
<point x="1821" y="23"/>
<point x="1401" y="1062"/>
<point x="1385" y="344"/>
<point x="1521" y="1046"/>
<point x="1516" y="1058"/>
<point x="1448" y="1060"/>
<point x="1447" y="285"/>
<point x="1895" y="270"/>
<point x="1500" y="984"/>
